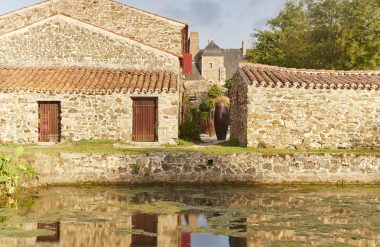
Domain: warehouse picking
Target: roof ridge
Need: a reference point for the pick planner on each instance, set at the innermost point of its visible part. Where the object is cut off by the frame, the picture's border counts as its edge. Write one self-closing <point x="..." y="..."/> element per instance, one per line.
<point x="302" y="70"/>
<point x="111" y="32"/>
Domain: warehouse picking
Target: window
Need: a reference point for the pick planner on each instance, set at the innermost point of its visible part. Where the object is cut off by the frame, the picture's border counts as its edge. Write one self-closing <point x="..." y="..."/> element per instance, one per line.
<point x="210" y="81"/>
<point x="210" y="65"/>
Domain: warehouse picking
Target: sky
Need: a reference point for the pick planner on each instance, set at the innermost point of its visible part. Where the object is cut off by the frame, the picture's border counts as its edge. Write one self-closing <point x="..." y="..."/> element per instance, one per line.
<point x="227" y="22"/>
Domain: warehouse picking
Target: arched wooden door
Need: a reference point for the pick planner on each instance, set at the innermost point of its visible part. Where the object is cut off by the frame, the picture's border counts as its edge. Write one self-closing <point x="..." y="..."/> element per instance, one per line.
<point x="145" y="120"/>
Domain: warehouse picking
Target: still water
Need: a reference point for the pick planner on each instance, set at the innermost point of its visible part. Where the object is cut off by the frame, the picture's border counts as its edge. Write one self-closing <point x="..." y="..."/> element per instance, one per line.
<point x="192" y="216"/>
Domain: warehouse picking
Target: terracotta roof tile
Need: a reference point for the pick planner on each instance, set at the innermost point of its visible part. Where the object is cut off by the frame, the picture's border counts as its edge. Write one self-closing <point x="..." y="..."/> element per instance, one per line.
<point x="87" y="80"/>
<point x="272" y="76"/>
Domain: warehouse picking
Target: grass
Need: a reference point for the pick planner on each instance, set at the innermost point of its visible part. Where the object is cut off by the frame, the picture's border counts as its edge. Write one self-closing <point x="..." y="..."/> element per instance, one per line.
<point x="107" y="147"/>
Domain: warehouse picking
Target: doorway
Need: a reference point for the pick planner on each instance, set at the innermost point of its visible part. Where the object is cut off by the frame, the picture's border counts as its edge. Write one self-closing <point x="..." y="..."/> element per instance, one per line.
<point x="144" y="120"/>
<point x="49" y="121"/>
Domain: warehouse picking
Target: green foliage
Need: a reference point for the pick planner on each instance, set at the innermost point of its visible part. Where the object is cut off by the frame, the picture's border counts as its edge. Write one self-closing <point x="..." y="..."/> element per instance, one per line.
<point x="190" y="129"/>
<point x="12" y="170"/>
<point x="205" y="115"/>
<point x="231" y="143"/>
<point x="229" y="83"/>
<point x="135" y="169"/>
<point x="214" y="91"/>
<point x="206" y="106"/>
<point x="327" y="34"/>
<point x="185" y="143"/>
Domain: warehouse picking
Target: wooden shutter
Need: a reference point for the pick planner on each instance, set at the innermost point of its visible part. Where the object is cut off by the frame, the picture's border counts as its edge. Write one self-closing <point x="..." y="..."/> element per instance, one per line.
<point x="144" y="119"/>
<point x="49" y="127"/>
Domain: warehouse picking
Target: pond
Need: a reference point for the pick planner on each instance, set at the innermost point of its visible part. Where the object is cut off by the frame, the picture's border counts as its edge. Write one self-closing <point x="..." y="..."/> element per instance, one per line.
<point x="192" y="216"/>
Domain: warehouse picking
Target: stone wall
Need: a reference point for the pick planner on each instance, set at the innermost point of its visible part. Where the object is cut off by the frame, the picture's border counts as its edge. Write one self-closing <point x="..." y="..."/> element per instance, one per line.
<point x="313" y="118"/>
<point x="239" y="109"/>
<point x="63" y="41"/>
<point x="217" y="74"/>
<point x="198" y="88"/>
<point x="70" y="168"/>
<point x="144" y="27"/>
<point x="98" y="117"/>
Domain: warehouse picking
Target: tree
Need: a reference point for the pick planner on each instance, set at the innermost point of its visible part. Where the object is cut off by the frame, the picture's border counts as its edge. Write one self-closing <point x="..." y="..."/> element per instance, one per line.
<point x="327" y="34"/>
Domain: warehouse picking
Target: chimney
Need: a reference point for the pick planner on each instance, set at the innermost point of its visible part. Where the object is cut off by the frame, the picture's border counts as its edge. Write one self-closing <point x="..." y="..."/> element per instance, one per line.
<point x="194" y="43"/>
<point x="244" y="48"/>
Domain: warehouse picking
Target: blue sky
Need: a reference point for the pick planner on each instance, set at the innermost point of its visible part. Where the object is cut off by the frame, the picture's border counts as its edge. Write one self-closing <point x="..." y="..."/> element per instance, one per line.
<point x="228" y="22"/>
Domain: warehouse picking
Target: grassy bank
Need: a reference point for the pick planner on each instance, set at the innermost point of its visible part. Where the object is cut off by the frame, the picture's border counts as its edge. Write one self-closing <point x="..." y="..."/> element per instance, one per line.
<point x="104" y="147"/>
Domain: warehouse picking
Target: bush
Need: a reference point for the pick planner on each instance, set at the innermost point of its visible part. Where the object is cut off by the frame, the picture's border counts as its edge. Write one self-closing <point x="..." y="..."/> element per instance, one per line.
<point x="214" y="91"/>
<point x="229" y="84"/>
<point x="11" y="170"/>
<point x="190" y="130"/>
<point x="206" y="106"/>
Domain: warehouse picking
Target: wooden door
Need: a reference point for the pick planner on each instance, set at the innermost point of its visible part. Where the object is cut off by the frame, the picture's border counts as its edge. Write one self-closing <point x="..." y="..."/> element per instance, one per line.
<point x="147" y="223"/>
<point x="144" y="119"/>
<point x="49" y="129"/>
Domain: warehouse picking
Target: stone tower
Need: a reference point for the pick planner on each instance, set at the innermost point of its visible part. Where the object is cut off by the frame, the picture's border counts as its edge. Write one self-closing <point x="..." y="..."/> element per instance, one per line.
<point x="213" y="68"/>
<point x="194" y="44"/>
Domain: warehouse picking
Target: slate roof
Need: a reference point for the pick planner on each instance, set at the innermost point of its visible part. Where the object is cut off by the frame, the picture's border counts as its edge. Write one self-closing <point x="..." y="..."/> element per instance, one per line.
<point x="195" y="73"/>
<point x="86" y="80"/>
<point x="272" y="76"/>
<point x="212" y="49"/>
<point x="232" y="58"/>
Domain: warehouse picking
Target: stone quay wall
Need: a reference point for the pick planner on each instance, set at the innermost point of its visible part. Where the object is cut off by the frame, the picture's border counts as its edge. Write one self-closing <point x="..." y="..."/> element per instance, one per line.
<point x="182" y="167"/>
<point x="110" y="15"/>
<point x="62" y="41"/>
<point x="84" y="116"/>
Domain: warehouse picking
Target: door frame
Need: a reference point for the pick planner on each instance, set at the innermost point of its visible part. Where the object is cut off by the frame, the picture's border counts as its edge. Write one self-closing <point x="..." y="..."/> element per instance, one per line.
<point x="155" y="120"/>
<point x="58" y="115"/>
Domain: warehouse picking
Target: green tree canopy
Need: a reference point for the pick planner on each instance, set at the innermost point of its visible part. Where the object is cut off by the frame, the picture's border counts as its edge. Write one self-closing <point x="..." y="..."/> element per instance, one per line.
<point x="321" y="34"/>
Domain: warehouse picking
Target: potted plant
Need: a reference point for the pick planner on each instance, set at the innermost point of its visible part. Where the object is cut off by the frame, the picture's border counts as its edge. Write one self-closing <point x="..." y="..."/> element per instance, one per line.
<point x="206" y="121"/>
<point x="221" y="117"/>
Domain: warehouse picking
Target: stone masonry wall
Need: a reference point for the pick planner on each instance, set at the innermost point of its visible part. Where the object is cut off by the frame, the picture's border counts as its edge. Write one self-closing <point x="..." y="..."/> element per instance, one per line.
<point x="63" y="41"/>
<point x="110" y="15"/>
<point x="70" y="168"/>
<point x="313" y="118"/>
<point x="98" y="117"/>
<point x="239" y="110"/>
<point x="214" y="74"/>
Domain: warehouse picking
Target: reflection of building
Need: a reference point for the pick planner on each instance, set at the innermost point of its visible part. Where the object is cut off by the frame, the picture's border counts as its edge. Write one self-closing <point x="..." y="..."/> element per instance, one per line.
<point x="53" y="227"/>
<point x="147" y="223"/>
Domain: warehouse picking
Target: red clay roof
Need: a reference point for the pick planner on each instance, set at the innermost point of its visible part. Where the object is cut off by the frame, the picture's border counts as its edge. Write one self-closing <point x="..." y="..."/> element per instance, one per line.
<point x="272" y="76"/>
<point x="86" y="80"/>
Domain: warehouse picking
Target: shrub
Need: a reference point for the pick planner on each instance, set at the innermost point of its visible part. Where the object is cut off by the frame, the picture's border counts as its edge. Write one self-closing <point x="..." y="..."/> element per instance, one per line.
<point x="229" y="84"/>
<point x="214" y="91"/>
<point x="206" y="106"/>
<point x="11" y="170"/>
<point x="190" y="130"/>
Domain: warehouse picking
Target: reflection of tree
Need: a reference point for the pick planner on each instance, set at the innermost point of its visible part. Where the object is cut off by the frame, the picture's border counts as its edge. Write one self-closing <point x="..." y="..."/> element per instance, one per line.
<point x="147" y="223"/>
<point x="54" y="227"/>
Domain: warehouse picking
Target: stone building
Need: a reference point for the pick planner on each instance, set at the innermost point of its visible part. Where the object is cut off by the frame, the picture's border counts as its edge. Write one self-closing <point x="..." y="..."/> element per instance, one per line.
<point x="295" y="108"/>
<point x="81" y="69"/>
<point x="211" y="65"/>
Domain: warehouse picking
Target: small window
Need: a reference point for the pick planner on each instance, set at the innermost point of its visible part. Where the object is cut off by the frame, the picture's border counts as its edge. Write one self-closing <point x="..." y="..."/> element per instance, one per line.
<point x="210" y="81"/>
<point x="210" y="65"/>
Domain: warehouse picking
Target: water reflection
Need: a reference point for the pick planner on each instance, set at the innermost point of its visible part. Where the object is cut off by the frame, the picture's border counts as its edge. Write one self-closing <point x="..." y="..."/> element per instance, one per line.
<point x="193" y="217"/>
